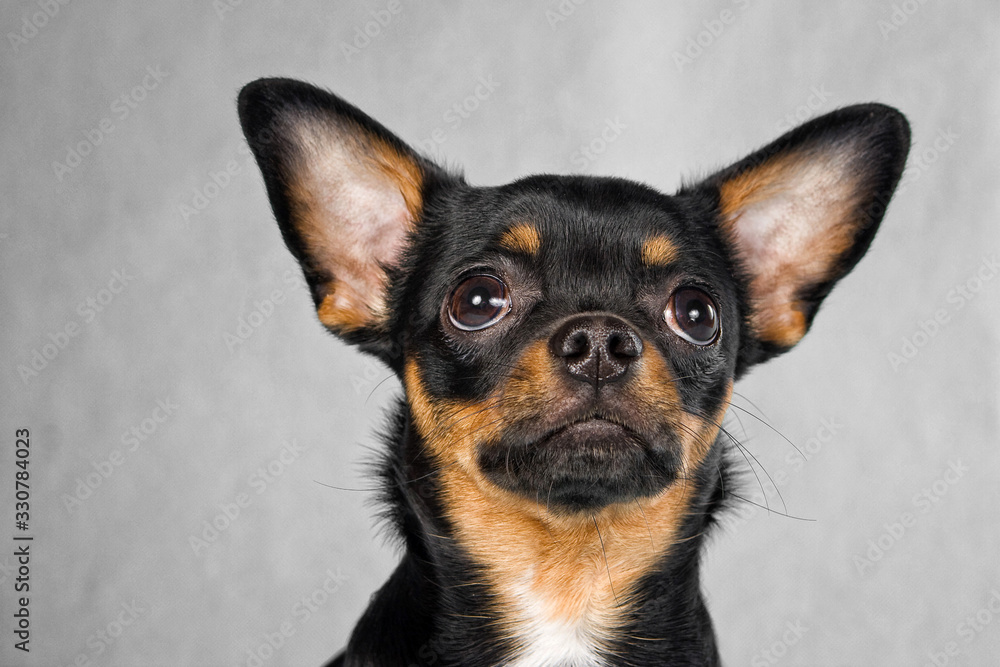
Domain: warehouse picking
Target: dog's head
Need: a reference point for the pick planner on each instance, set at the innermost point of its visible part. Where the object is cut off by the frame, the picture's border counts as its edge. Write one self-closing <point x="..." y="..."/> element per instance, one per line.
<point x="567" y="342"/>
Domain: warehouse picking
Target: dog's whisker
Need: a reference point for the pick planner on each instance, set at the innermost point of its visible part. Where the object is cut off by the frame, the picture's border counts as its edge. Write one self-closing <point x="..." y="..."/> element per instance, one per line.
<point x="745" y="451"/>
<point x="606" y="565"/>
<point x="762" y="467"/>
<point x="747" y="412"/>
<point x="344" y="488"/>
<point x="768" y="509"/>
<point x="752" y="404"/>
<point x="738" y="421"/>
<point x="648" y="529"/>
<point x="379" y="384"/>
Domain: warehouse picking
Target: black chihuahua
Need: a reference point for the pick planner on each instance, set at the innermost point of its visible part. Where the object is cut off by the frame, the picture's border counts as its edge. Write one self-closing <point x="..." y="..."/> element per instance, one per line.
<point x="568" y="347"/>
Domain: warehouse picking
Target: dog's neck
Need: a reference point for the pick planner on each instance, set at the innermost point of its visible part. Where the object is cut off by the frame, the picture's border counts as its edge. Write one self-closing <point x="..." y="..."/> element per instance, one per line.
<point x="527" y="586"/>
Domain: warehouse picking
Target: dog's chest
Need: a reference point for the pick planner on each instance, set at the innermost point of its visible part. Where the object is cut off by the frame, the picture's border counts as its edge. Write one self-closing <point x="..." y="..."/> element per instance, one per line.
<point x="549" y="641"/>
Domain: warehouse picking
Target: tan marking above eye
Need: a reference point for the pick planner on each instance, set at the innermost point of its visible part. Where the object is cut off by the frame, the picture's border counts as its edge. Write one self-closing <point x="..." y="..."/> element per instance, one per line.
<point x="522" y="237"/>
<point x="659" y="251"/>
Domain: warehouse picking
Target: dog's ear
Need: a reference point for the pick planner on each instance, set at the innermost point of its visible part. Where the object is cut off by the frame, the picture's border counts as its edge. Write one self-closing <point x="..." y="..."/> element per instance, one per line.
<point x="346" y="193"/>
<point x="799" y="213"/>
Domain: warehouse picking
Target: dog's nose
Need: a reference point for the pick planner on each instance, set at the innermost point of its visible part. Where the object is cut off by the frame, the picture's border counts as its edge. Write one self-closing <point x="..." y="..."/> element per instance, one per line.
<point x="597" y="348"/>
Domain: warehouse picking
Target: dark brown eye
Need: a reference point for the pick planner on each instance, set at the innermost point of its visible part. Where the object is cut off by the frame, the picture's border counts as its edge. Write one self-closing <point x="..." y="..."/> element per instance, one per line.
<point x="478" y="302"/>
<point x="692" y="315"/>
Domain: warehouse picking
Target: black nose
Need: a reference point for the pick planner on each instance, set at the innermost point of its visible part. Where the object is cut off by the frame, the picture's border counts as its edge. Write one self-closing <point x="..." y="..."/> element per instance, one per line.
<point x="596" y="348"/>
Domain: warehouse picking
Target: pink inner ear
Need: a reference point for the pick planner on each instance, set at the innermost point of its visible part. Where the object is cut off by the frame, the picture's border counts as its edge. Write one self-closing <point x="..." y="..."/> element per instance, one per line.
<point x="356" y="202"/>
<point x="790" y="221"/>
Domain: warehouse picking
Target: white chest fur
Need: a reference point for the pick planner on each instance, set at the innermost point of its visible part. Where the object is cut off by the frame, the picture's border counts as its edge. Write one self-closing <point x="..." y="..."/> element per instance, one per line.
<point x="547" y="641"/>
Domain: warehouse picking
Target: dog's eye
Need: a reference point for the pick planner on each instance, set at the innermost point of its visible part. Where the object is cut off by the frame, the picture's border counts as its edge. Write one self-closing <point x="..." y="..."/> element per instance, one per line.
<point x="692" y="315"/>
<point x="478" y="302"/>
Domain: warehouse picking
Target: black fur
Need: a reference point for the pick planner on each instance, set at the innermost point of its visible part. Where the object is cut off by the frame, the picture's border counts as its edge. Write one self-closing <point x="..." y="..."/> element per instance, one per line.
<point x="437" y="608"/>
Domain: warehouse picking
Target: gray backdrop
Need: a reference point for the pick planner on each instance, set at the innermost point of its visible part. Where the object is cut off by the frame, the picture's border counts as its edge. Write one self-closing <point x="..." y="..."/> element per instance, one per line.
<point x="160" y="350"/>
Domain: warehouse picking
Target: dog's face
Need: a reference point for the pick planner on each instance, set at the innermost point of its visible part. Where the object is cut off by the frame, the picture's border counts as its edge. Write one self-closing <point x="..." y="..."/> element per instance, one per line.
<point x="574" y="340"/>
<point x="567" y="344"/>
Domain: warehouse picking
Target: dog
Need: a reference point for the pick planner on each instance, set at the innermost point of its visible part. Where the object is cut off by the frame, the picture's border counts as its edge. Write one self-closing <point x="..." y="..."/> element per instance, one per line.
<point x="567" y="347"/>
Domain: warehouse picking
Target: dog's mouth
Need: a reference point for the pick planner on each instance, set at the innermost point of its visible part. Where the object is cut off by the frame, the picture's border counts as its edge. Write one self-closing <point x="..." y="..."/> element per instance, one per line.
<point x="582" y="464"/>
<point x="593" y="433"/>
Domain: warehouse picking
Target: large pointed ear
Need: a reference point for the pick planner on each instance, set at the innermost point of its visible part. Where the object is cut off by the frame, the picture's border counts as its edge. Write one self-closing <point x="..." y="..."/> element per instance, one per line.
<point x="798" y="214"/>
<point x="346" y="193"/>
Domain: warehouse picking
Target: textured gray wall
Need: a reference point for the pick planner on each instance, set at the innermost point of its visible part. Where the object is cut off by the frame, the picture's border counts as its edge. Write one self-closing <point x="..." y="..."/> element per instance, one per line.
<point x="138" y="260"/>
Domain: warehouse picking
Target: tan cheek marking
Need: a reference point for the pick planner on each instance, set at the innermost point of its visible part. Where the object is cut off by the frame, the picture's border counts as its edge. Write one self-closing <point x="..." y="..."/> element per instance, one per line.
<point x="652" y="388"/>
<point x="655" y="393"/>
<point x="659" y="251"/>
<point x="791" y="219"/>
<point x="702" y="431"/>
<point x="451" y="429"/>
<point x="531" y="384"/>
<point x="522" y="237"/>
